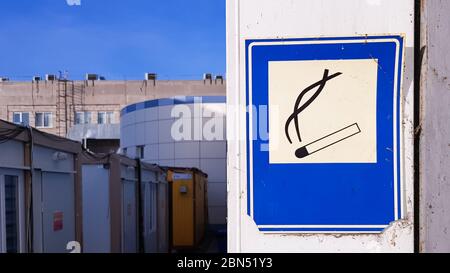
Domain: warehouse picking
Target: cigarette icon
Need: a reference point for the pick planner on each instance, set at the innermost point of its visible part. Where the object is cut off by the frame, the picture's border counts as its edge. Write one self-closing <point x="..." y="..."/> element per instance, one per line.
<point x="328" y="140"/>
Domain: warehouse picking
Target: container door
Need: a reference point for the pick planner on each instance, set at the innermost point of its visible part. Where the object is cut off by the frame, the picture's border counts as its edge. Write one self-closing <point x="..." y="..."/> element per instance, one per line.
<point x="58" y="211"/>
<point x="129" y="227"/>
<point x="183" y="213"/>
<point x="96" y="211"/>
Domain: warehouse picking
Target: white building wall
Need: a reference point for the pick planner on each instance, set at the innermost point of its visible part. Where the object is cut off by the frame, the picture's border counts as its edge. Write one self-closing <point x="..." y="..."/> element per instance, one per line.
<point x="150" y="124"/>
<point x="253" y="19"/>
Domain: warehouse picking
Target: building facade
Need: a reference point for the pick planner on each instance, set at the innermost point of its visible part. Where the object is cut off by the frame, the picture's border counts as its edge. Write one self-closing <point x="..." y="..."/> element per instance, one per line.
<point x="89" y="110"/>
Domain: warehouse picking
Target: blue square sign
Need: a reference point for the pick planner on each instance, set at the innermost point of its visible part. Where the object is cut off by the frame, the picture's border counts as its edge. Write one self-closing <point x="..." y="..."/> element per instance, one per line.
<point x="323" y="133"/>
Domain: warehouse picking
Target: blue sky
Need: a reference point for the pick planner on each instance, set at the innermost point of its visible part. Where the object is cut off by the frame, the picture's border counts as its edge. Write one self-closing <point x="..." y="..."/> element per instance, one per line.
<point x="119" y="39"/>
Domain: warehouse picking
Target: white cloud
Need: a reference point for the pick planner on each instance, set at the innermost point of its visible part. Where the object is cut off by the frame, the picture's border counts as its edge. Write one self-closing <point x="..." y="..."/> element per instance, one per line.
<point x="73" y="2"/>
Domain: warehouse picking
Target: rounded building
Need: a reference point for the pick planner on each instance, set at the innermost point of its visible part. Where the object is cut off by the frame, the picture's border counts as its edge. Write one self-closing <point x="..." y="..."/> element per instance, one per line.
<point x="181" y="132"/>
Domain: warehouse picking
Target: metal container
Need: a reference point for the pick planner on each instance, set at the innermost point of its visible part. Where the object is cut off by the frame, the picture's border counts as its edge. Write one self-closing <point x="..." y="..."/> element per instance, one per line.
<point x="107" y="216"/>
<point x="189" y="213"/>
<point x="37" y="190"/>
<point x="118" y="206"/>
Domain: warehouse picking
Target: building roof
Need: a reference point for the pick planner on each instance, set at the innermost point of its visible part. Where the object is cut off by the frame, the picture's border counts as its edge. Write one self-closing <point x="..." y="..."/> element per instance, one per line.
<point x="172" y="101"/>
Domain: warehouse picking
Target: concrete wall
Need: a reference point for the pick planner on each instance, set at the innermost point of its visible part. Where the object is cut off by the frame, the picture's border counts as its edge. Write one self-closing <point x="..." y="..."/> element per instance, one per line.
<point x="92" y="96"/>
<point x="435" y="128"/>
<point x="265" y="19"/>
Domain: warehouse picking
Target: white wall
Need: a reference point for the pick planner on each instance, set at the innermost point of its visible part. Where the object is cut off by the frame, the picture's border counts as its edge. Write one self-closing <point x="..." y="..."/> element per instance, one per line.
<point x="298" y="19"/>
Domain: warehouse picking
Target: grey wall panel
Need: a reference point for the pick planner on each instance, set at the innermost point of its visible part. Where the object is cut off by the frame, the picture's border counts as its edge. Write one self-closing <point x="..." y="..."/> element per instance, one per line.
<point x="163" y="217"/>
<point x="150" y="219"/>
<point x="128" y="172"/>
<point x="129" y="228"/>
<point x="96" y="209"/>
<point x="148" y="176"/>
<point x="37" y="211"/>
<point x="44" y="158"/>
<point x="58" y="201"/>
<point x="12" y="154"/>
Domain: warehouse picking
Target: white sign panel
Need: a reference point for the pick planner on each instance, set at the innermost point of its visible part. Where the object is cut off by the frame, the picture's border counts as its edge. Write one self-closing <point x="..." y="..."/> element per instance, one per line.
<point x="330" y="126"/>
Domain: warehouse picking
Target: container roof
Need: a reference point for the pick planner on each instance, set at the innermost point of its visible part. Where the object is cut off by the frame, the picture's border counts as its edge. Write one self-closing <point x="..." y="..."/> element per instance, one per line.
<point x="11" y="131"/>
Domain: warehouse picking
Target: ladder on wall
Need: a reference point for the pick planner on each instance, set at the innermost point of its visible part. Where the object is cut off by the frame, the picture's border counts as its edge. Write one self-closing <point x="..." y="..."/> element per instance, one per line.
<point x="63" y="101"/>
<point x="70" y="99"/>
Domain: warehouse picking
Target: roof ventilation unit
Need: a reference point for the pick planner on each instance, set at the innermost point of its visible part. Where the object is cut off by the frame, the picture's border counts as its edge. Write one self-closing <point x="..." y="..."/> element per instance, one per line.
<point x="150" y="76"/>
<point x="207" y="77"/>
<point x="50" y="77"/>
<point x="92" y="77"/>
<point x="219" y="78"/>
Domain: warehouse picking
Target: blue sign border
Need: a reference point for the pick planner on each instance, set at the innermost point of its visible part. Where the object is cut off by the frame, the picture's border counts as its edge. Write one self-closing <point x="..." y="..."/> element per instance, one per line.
<point x="279" y="203"/>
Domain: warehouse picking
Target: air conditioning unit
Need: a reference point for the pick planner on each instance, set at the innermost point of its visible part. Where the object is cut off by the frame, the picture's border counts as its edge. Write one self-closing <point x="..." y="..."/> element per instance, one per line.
<point x="4" y="79"/>
<point x="36" y="79"/>
<point x="92" y="77"/>
<point x="219" y="78"/>
<point x="207" y="76"/>
<point x="50" y="77"/>
<point x="150" y="76"/>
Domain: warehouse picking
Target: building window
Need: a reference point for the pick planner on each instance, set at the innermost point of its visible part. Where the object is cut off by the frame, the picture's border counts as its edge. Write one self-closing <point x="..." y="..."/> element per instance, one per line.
<point x="105" y="117"/>
<point x="11" y="213"/>
<point x="21" y="118"/>
<point x="83" y="117"/>
<point x="140" y="152"/>
<point x="44" y="120"/>
<point x="87" y="117"/>
<point x="79" y="117"/>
